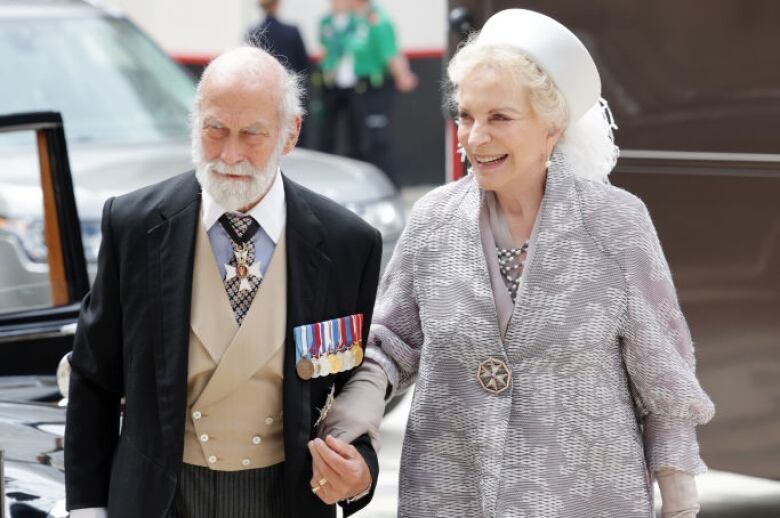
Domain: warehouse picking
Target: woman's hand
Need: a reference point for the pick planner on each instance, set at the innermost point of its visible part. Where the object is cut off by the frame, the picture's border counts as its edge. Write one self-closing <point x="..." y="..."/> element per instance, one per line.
<point x="339" y="471"/>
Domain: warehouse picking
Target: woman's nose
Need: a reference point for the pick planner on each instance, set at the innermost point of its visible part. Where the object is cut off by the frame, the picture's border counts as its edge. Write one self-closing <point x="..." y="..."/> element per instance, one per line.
<point x="478" y="135"/>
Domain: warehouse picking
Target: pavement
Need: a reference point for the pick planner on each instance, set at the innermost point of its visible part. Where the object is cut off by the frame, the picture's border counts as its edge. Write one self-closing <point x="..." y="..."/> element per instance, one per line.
<point x="721" y="494"/>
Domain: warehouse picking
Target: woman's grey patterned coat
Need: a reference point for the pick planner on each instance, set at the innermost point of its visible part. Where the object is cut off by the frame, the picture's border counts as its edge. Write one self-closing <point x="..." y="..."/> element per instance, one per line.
<point x="603" y="389"/>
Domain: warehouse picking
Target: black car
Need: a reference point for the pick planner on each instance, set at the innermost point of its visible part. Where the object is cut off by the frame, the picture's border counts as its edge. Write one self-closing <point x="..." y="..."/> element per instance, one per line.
<point x="32" y="418"/>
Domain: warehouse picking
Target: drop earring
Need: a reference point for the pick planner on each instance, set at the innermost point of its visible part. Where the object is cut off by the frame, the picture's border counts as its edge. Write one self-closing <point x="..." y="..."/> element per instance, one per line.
<point x="548" y="163"/>
<point x="462" y="152"/>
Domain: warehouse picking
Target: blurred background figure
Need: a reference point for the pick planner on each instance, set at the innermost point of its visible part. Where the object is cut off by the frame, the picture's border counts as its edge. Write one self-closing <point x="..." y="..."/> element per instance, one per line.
<point x="284" y="41"/>
<point x="338" y="80"/>
<point x="362" y="68"/>
<point x="380" y="69"/>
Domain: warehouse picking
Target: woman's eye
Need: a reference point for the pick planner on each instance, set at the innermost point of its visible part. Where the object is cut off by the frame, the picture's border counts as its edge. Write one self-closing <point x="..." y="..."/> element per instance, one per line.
<point x="499" y="117"/>
<point x="463" y="117"/>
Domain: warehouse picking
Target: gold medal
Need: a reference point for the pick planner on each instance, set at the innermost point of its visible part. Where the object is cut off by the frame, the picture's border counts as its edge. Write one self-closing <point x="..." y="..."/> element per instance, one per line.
<point x="305" y="368"/>
<point x="342" y="360"/>
<point x="335" y="363"/>
<point x="357" y="351"/>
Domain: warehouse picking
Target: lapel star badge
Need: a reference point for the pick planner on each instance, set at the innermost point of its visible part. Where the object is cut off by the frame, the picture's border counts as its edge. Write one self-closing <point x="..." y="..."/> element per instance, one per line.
<point x="242" y="270"/>
<point x="494" y="375"/>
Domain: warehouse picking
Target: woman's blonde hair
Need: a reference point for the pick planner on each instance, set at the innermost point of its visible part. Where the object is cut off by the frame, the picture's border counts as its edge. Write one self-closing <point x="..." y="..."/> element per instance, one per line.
<point x="545" y="98"/>
<point x="588" y="144"/>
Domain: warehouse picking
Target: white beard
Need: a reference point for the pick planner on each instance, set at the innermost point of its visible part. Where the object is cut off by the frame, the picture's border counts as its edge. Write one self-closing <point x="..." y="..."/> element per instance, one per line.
<point x="232" y="194"/>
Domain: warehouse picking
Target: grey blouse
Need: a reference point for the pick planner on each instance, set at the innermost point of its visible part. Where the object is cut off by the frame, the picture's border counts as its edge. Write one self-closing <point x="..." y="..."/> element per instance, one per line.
<point x="593" y="369"/>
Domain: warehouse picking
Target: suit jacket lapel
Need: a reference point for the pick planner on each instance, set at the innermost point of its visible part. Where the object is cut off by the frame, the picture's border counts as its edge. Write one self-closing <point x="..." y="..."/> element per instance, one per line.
<point x="171" y="252"/>
<point x="211" y="317"/>
<point x="308" y="268"/>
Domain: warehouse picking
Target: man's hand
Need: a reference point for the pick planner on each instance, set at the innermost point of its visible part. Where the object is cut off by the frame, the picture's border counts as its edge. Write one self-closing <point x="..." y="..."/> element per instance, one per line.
<point x="339" y="471"/>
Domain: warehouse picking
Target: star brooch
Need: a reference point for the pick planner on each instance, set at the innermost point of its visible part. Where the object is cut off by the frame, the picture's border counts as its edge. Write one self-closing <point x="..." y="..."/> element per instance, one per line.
<point x="494" y="375"/>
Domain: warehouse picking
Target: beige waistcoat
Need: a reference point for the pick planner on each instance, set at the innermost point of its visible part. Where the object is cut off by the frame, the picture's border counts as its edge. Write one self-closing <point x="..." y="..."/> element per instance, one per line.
<point x="234" y="376"/>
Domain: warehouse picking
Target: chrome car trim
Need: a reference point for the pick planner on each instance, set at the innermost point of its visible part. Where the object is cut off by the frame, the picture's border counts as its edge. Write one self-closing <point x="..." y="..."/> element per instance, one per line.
<point x="50" y="331"/>
<point x="2" y="484"/>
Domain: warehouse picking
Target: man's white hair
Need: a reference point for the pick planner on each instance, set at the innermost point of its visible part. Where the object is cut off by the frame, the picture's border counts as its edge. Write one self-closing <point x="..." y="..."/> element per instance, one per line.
<point x="254" y="63"/>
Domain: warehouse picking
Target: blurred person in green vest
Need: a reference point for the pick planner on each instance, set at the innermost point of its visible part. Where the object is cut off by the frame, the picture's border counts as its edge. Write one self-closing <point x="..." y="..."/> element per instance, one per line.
<point x="381" y="69"/>
<point x="338" y="79"/>
<point x="362" y="68"/>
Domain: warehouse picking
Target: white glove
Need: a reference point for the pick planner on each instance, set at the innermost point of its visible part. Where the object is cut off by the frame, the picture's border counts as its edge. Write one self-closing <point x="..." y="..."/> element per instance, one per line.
<point x="679" y="498"/>
<point x="359" y="407"/>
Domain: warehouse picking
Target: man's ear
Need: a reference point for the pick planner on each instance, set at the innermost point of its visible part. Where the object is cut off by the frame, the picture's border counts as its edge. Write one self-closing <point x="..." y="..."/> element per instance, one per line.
<point x="292" y="137"/>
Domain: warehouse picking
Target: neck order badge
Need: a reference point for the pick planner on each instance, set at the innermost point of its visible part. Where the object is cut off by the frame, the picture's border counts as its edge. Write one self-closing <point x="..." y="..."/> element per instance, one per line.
<point x="328" y="347"/>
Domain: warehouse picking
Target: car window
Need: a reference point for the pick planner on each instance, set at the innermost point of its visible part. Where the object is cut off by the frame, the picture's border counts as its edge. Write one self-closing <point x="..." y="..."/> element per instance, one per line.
<point x="110" y="82"/>
<point x="25" y="282"/>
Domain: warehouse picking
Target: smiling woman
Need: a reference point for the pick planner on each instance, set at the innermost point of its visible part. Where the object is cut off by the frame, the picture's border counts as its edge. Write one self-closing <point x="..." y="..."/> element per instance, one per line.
<point x="532" y="301"/>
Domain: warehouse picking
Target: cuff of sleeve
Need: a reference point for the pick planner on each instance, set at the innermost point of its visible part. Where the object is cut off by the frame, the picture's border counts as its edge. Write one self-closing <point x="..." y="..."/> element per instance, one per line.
<point x="360" y="495"/>
<point x="375" y="353"/>
<point x="90" y="512"/>
<point x="671" y="444"/>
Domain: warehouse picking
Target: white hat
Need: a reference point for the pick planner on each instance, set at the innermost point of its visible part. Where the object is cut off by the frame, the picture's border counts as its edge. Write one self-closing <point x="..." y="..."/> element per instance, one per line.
<point x="557" y="51"/>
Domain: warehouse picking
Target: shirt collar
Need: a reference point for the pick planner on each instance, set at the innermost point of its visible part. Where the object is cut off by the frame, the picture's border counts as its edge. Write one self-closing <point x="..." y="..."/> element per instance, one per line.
<point x="270" y="212"/>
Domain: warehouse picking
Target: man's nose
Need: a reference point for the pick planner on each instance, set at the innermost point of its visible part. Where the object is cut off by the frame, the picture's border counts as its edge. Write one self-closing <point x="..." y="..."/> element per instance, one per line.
<point x="231" y="151"/>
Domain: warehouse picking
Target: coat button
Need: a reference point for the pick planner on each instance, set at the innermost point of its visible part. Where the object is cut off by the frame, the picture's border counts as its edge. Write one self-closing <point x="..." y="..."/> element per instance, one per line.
<point x="257" y="439"/>
<point x="246" y="462"/>
<point x="204" y="438"/>
<point x="196" y="415"/>
<point x="269" y="420"/>
<point x="212" y="459"/>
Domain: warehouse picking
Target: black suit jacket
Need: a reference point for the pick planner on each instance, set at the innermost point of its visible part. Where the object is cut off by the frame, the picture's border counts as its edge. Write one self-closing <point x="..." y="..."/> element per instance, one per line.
<point x="281" y="40"/>
<point x="133" y="340"/>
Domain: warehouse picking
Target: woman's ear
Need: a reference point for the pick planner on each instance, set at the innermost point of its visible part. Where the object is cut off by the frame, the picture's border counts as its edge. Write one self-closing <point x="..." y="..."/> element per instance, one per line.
<point x="553" y="135"/>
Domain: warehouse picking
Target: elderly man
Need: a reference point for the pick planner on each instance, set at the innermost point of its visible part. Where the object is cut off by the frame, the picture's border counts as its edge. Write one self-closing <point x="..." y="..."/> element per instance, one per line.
<point x="206" y="283"/>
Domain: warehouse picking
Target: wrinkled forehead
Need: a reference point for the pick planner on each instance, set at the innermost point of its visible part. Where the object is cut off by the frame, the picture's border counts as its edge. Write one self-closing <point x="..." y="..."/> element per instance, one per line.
<point x="241" y="101"/>
<point x="488" y="87"/>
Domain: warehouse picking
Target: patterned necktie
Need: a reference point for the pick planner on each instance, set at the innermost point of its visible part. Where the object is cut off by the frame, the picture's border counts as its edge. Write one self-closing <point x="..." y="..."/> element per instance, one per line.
<point x="242" y="273"/>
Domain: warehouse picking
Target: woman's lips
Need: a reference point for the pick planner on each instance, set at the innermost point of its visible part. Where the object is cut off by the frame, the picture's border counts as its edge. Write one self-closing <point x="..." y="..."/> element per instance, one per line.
<point x="487" y="162"/>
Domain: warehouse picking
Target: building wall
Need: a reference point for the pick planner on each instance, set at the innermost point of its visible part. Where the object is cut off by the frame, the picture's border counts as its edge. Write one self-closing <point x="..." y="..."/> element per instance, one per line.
<point x="193" y="32"/>
<point x="184" y="27"/>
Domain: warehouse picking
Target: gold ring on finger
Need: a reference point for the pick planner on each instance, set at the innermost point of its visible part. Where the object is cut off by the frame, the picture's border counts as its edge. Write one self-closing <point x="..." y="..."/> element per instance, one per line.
<point x="323" y="481"/>
<point x="315" y="489"/>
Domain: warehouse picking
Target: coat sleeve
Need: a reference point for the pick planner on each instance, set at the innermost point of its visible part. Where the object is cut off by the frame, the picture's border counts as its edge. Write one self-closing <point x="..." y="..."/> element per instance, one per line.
<point x="366" y="303"/>
<point x="396" y="336"/>
<point x="92" y="421"/>
<point x="658" y="353"/>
